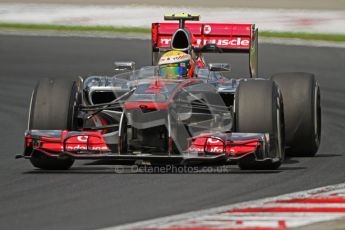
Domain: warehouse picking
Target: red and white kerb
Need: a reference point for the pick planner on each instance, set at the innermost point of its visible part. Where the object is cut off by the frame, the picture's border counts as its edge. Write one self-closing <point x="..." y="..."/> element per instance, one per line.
<point x="275" y="213"/>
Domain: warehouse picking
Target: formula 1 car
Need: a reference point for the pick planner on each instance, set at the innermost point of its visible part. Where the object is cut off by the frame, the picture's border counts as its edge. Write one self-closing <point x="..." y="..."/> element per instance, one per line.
<point x="138" y="116"/>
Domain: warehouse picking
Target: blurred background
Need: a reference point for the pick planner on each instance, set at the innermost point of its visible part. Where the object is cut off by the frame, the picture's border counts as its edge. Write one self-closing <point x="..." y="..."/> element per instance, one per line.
<point x="291" y="4"/>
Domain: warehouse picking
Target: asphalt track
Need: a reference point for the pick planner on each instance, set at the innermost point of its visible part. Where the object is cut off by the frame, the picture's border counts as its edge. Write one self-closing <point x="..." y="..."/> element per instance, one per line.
<point x="91" y="196"/>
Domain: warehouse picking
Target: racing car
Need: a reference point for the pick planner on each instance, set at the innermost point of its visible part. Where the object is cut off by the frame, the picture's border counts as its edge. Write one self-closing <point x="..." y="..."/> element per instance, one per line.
<point x="140" y="117"/>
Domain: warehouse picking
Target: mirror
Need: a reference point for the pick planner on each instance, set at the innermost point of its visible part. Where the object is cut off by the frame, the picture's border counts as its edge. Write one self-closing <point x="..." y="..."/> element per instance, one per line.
<point x="219" y="67"/>
<point x="124" y="66"/>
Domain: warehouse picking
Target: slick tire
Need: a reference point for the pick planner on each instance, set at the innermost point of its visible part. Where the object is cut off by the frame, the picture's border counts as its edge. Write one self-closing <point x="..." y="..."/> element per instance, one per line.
<point x="53" y="107"/>
<point x="259" y="109"/>
<point x="302" y="109"/>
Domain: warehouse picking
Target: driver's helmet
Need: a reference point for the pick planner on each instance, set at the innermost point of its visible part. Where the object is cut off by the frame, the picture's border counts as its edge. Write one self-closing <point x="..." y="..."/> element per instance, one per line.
<point x="176" y="64"/>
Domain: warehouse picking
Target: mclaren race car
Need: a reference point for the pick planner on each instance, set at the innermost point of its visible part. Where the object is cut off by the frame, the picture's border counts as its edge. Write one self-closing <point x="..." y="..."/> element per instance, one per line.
<point x="139" y="116"/>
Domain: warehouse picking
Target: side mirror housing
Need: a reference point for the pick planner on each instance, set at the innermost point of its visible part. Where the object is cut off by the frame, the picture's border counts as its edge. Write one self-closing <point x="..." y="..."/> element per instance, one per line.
<point x="124" y="66"/>
<point x="219" y="67"/>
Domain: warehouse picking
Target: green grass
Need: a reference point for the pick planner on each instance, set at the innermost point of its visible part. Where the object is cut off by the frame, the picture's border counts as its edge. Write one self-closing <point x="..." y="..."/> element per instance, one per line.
<point x="111" y="29"/>
<point x="74" y="28"/>
<point x="304" y="36"/>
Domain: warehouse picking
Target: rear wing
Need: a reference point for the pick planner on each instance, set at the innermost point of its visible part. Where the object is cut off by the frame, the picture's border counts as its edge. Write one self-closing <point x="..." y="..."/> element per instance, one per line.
<point x="211" y="37"/>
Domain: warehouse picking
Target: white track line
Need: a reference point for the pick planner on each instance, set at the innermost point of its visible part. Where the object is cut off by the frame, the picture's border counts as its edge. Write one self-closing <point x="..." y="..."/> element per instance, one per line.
<point x="239" y="216"/>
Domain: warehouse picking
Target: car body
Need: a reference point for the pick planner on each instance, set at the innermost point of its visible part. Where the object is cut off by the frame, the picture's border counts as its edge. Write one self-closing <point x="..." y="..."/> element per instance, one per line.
<point x="139" y="116"/>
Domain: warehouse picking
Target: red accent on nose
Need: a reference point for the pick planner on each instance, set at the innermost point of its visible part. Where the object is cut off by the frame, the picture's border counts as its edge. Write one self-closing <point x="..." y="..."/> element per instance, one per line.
<point x="239" y="147"/>
<point x="146" y="105"/>
<point x="155" y="86"/>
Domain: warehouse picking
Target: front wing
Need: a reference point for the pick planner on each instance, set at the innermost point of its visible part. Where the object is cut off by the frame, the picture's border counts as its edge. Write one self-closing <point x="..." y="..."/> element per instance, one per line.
<point x="207" y="147"/>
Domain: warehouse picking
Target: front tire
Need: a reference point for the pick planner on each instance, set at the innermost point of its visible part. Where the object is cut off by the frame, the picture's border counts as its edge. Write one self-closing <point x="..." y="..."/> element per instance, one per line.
<point x="53" y="107"/>
<point x="259" y="109"/>
<point x="302" y="109"/>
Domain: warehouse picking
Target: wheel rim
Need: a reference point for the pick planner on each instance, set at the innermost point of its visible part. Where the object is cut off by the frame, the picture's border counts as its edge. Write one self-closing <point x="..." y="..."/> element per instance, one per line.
<point x="279" y="129"/>
<point x="74" y="112"/>
<point x="317" y="115"/>
<point x="72" y="124"/>
<point x="30" y="108"/>
<point x="122" y="145"/>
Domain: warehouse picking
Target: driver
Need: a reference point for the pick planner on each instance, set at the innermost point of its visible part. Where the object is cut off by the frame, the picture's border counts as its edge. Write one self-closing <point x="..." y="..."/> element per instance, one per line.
<point x="176" y="64"/>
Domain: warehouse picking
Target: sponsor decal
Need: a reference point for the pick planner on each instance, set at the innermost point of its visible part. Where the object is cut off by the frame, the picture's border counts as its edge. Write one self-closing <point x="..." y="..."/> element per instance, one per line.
<point x="82" y="138"/>
<point x="198" y="149"/>
<point x="235" y="42"/>
<point x="165" y="41"/>
<point x="213" y="145"/>
<point x="81" y="143"/>
<point x="215" y="149"/>
<point x="207" y="29"/>
<point x="173" y="59"/>
<point x="214" y="141"/>
<point x="78" y="147"/>
<point x="224" y="42"/>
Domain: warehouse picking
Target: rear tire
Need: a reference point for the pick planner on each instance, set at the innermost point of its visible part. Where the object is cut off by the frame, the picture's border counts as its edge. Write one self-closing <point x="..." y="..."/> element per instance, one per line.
<point x="302" y="109"/>
<point x="259" y="109"/>
<point x="53" y="107"/>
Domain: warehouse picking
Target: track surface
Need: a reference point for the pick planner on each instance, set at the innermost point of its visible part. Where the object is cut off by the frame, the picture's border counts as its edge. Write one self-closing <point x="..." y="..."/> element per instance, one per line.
<point x="92" y="196"/>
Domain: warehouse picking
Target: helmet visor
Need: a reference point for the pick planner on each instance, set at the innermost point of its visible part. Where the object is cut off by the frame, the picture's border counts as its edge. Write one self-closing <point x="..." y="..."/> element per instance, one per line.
<point x="173" y="72"/>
